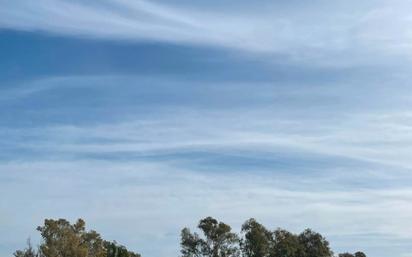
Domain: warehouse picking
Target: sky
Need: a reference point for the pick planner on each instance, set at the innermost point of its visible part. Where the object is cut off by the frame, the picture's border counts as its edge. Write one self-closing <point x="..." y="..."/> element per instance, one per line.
<point x="143" y="117"/>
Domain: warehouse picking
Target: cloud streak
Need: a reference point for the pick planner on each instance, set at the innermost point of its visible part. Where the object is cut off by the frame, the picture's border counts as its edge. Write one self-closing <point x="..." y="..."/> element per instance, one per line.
<point x="144" y="196"/>
<point x="287" y="163"/>
<point x="144" y="116"/>
<point x="360" y="30"/>
<point x="370" y="134"/>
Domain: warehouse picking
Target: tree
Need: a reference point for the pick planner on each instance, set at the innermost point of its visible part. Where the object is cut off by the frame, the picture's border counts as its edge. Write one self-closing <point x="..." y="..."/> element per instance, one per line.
<point x="346" y="255"/>
<point x="286" y="244"/>
<point x="360" y="254"/>
<point x="357" y="254"/>
<point x="218" y="240"/>
<point x="115" y="250"/>
<point x="314" y="244"/>
<point x="257" y="240"/>
<point x="190" y="244"/>
<point x="62" y="239"/>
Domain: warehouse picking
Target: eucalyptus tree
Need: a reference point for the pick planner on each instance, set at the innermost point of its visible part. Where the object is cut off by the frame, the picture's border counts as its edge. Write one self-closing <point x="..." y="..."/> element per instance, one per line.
<point x="218" y="240"/>
<point x="257" y="241"/>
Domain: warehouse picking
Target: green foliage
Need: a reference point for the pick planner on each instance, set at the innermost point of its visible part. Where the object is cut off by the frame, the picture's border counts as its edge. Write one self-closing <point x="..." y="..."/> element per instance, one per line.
<point x="218" y="240"/>
<point x="190" y="244"/>
<point x="115" y="250"/>
<point x="62" y="239"/>
<point x="346" y="255"/>
<point x="257" y="240"/>
<point x="357" y="254"/>
<point x="360" y="254"/>
<point x="286" y="244"/>
<point x="314" y="244"/>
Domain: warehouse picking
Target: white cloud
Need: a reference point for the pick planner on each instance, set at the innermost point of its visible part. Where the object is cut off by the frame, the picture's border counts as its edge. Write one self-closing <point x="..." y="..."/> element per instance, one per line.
<point x="382" y="138"/>
<point x="318" y="31"/>
<point x="143" y="203"/>
<point x="138" y="202"/>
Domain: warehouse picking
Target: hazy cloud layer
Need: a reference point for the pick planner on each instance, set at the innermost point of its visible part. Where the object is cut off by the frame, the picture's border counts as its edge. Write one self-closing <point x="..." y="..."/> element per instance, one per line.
<point x="289" y="156"/>
<point x="145" y="116"/>
<point x="135" y="202"/>
<point x="318" y="30"/>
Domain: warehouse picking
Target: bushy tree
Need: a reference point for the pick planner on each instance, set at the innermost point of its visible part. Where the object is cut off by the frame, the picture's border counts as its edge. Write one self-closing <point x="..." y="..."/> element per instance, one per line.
<point x="115" y="250"/>
<point x="190" y="244"/>
<point x="62" y="239"/>
<point x="286" y="244"/>
<point x="314" y="244"/>
<point x="256" y="241"/>
<point x="357" y="254"/>
<point x="218" y="240"/>
<point x="360" y="254"/>
<point x="346" y="255"/>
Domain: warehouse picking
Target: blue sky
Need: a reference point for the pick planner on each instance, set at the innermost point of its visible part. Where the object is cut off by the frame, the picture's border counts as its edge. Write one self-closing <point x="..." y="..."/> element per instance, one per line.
<point x="144" y="116"/>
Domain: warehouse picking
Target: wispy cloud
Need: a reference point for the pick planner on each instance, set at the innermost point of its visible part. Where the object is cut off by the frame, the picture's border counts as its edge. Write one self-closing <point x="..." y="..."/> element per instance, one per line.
<point x="310" y="31"/>
<point x="266" y="124"/>
<point x="145" y="196"/>
<point x="309" y="126"/>
<point x="287" y="163"/>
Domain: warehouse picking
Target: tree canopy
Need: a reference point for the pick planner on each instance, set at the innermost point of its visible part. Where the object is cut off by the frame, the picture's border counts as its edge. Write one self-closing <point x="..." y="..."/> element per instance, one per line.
<point x="60" y="238"/>
<point x="255" y="240"/>
<point x="357" y="254"/>
<point x="218" y="240"/>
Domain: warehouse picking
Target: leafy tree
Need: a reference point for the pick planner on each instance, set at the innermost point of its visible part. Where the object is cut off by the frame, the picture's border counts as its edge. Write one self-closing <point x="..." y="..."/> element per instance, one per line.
<point x="360" y="254"/>
<point x="115" y="250"/>
<point x="357" y="254"/>
<point x="257" y="240"/>
<point x="62" y="239"/>
<point x="346" y="255"/>
<point x="190" y="244"/>
<point x="314" y="244"/>
<point x="218" y="240"/>
<point x="286" y="244"/>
